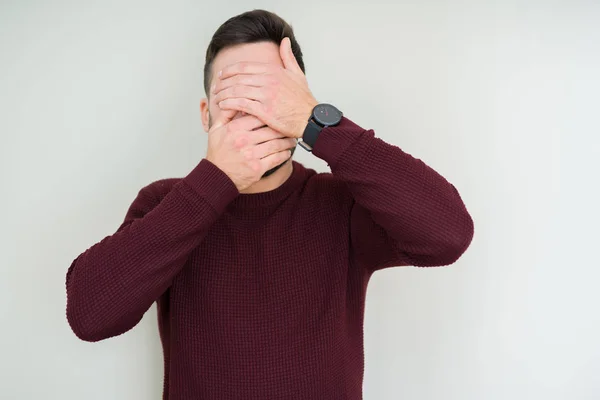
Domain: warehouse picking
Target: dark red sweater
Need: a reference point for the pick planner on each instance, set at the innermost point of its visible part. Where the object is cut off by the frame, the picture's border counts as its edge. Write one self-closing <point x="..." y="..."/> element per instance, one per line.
<point x="261" y="296"/>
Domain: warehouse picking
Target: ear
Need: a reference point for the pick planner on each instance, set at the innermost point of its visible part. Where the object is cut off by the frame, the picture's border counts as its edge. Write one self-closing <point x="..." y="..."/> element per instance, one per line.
<point x="288" y="58"/>
<point x="205" y="114"/>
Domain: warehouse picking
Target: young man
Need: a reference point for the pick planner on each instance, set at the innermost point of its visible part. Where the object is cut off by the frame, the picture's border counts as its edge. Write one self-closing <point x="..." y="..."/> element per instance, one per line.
<point x="259" y="266"/>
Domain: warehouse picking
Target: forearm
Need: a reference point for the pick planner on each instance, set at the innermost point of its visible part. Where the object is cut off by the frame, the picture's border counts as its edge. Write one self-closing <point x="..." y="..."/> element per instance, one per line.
<point x="417" y="207"/>
<point x="113" y="283"/>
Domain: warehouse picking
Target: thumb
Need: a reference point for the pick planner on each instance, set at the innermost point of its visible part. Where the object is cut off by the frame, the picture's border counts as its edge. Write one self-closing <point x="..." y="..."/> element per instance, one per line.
<point x="287" y="56"/>
<point x="224" y="117"/>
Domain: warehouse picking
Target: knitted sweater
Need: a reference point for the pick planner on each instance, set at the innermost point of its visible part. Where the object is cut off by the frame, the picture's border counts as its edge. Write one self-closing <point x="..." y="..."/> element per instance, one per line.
<point x="261" y="296"/>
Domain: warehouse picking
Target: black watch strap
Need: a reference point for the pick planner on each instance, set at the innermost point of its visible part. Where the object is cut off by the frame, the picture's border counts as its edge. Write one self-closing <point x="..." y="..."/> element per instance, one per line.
<point x="311" y="133"/>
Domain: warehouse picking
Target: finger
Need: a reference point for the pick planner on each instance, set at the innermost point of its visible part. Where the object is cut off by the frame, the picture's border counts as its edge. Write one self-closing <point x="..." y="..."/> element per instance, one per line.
<point x="273" y="146"/>
<point x="248" y="92"/>
<point x="240" y="80"/>
<point x="273" y="160"/>
<point x="265" y="134"/>
<point x="288" y="58"/>
<point x="245" y="68"/>
<point x="245" y="105"/>
<point x="245" y="123"/>
<point x="225" y="117"/>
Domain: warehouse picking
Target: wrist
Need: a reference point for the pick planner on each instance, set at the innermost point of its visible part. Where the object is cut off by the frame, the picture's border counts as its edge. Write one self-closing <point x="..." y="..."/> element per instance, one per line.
<point x="211" y="183"/>
<point x="321" y="117"/>
<point x="306" y="115"/>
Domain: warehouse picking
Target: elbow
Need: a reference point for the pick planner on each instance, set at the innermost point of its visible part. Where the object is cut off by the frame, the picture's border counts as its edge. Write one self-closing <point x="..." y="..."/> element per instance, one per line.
<point x="81" y="326"/>
<point x="86" y="324"/>
<point x="448" y="248"/>
<point x="94" y="326"/>
<point x="83" y="323"/>
<point x="457" y="241"/>
<point x="77" y="311"/>
<point x="91" y="329"/>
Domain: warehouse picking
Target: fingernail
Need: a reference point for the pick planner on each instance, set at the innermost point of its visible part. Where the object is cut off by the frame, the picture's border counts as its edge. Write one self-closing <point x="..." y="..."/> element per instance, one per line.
<point x="220" y="73"/>
<point x="212" y="88"/>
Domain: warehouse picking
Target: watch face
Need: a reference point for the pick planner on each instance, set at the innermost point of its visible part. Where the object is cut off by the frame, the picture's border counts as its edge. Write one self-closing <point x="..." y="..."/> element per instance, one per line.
<point x="327" y="115"/>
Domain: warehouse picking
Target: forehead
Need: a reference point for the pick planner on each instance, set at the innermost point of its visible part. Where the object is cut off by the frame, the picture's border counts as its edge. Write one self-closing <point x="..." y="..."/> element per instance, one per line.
<point x="262" y="52"/>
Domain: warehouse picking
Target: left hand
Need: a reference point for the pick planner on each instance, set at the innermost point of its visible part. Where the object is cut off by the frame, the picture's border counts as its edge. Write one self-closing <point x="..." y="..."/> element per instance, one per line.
<point x="278" y="96"/>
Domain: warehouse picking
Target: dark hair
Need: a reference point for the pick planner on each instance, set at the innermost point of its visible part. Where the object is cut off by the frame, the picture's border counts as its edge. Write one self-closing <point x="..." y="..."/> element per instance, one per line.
<point x="249" y="27"/>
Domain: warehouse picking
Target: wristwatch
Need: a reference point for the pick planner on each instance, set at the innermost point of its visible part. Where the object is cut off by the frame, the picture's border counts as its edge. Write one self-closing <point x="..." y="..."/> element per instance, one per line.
<point x="322" y="116"/>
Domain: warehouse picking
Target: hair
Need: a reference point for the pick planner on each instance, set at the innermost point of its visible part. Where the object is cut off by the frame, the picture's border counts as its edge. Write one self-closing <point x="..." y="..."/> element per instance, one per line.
<point x="250" y="27"/>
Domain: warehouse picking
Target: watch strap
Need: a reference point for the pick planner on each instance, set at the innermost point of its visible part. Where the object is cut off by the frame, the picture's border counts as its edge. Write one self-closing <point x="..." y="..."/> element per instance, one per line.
<point x="311" y="134"/>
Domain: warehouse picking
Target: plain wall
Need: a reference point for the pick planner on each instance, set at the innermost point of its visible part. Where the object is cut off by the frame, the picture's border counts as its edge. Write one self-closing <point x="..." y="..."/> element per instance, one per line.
<point x="99" y="98"/>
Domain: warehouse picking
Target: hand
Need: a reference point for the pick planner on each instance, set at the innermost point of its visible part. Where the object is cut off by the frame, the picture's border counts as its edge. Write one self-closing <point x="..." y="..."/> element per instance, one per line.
<point x="278" y="96"/>
<point x="245" y="148"/>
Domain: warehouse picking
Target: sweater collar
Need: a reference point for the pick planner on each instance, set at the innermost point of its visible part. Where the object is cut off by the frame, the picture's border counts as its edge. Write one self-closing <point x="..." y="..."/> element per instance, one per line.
<point x="272" y="197"/>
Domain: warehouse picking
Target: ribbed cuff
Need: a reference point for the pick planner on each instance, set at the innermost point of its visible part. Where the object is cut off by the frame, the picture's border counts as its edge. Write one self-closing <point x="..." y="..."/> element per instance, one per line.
<point x="212" y="184"/>
<point x="333" y="141"/>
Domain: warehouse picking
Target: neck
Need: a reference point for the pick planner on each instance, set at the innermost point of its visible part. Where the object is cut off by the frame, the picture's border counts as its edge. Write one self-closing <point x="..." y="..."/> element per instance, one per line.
<point x="272" y="181"/>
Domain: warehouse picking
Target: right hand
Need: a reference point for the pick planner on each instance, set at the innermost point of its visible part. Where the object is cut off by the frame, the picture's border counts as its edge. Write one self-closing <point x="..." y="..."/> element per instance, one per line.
<point x="242" y="152"/>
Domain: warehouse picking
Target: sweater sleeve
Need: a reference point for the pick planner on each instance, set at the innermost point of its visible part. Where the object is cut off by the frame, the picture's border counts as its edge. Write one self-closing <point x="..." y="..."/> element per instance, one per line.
<point x="404" y="212"/>
<point x="114" y="282"/>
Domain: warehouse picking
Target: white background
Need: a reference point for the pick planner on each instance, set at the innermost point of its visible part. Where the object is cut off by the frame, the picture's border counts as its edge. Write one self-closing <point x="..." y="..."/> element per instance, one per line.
<point x="99" y="98"/>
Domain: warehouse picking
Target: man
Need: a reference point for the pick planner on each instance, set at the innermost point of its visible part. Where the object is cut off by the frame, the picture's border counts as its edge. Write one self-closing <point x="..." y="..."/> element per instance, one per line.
<point x="258" y="265"/>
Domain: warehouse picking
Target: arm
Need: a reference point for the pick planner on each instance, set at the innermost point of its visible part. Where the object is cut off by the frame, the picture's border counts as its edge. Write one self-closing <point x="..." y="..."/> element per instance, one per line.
<point x="113" y="283"/>
<point x="405" y="213"/>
